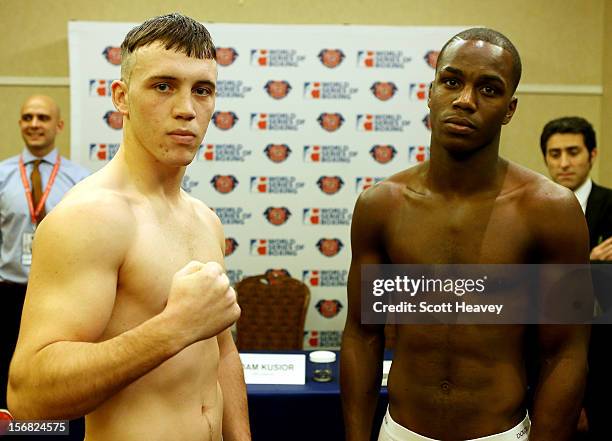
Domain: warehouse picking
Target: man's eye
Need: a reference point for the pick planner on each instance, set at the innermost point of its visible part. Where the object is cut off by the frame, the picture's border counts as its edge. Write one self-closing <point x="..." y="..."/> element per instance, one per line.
<point x="488" y="90"/>
<point x="451" y="82"/>
<point x="162" y="87"/>
<point x="202" y="91"/>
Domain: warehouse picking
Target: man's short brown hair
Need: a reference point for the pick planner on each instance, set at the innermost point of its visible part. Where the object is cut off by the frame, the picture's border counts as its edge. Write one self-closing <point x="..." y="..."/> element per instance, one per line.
<point x="175" y="32"/>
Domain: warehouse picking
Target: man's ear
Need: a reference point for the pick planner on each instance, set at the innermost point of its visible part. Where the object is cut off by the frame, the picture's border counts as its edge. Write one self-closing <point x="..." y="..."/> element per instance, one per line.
<point x="593" y="155"/>
<point x="120" y="96"/>
<point x="511" y="110"/>
<point x="429" y="94"/>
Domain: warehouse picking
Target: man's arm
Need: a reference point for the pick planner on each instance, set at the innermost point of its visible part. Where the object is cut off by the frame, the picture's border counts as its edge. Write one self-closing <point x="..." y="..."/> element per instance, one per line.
<point x="60" y="368"/>
<point x="563" y="348"/>
<point x="362" y="345"/>
<point x="563" y="368"/>
<point x="231" y="374"/>
<point x="231" y="378"/>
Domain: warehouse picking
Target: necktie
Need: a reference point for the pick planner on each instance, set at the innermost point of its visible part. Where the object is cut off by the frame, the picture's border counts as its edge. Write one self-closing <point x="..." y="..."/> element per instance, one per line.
<point x="37" y="189"/>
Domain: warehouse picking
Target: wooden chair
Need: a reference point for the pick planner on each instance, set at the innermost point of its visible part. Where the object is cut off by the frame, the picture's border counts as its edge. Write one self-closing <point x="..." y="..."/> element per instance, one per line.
<point x="273" y="313"/>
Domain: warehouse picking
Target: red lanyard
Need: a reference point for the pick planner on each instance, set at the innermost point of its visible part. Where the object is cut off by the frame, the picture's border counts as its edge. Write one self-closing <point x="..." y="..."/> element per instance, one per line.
<point x="26" y="185"/>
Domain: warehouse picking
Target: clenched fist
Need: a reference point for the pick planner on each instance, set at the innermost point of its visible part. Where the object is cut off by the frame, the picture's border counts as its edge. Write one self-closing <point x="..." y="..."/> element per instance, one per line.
<point x="201" y="301"/>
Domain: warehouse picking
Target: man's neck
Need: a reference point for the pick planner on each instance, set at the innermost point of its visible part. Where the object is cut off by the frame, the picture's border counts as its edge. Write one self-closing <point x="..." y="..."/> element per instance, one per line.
<point x="40" y="153"/>
<point x="148" y="175"/>
<point x="464" y="174"/>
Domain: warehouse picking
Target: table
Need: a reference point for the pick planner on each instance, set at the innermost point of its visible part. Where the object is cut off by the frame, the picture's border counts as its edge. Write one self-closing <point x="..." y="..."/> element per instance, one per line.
<point x="309" y="412"/>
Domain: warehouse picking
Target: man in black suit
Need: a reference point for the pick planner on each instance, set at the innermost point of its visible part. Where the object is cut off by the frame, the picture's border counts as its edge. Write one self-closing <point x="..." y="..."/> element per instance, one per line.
<point x="569" y="148"/>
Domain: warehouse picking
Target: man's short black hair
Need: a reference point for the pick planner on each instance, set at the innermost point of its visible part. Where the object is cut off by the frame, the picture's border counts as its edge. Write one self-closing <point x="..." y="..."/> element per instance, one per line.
<point x="493" y="37"/>
<point x="175" y="32"/>
<point x="569" y="124"/>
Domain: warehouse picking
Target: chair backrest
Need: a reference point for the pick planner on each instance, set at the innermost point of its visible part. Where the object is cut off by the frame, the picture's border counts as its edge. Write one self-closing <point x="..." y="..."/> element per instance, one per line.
<point x="273" y="313"/>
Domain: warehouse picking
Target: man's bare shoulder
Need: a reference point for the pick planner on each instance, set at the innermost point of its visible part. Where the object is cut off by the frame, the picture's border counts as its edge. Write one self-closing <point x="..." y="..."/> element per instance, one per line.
<point x="554" y="217"/>
<point x="207" y="217"/>
<point x="392" y="190"/>
<point x="93" y="210"/>
<point x="97" y="193"/>
<point x="203" y="211"/>
<point x="381" y="203"/>
<point x="538" y="192"/>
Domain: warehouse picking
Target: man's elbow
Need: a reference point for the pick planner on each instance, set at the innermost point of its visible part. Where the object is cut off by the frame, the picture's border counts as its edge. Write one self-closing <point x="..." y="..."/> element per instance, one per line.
<point x="17" y="400"/>
<point x="23" y="397"/>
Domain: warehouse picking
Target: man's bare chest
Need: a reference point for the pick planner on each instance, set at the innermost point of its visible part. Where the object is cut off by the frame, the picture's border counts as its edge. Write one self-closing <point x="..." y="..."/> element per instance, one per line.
<point x="156" y="253"/>
<point x="477" y="232"/>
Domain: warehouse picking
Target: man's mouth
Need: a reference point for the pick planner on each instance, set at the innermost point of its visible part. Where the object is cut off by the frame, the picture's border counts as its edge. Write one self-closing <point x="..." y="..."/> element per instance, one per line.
<point x="182" y="136"/>
<point x="459" y="126"/>
<point x="460" y="121"/>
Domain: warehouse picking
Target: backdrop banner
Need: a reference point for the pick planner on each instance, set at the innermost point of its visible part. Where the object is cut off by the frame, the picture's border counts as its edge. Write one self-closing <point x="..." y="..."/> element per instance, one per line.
<point x="306" y="118"/>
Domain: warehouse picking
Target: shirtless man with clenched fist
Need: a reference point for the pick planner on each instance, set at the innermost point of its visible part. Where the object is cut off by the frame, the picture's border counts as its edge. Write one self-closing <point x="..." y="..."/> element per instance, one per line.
<point x="128" y="309"/>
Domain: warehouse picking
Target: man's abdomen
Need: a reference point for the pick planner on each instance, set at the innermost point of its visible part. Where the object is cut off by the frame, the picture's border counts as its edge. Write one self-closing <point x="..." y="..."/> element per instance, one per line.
<point x="180" y="399"/>
<point x="458" y="381"/>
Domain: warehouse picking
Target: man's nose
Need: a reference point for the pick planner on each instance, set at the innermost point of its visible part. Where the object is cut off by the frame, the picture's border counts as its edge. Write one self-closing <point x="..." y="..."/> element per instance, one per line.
<point x="466" y="99"/>
<point x="35" y="122"/>
<point x="565" y="160"/>
<point x="183" y="106"/>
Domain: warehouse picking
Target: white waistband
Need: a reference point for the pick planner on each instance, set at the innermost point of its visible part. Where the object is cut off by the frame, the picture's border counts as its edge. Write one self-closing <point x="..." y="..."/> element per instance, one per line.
<point x="520" y="432"/>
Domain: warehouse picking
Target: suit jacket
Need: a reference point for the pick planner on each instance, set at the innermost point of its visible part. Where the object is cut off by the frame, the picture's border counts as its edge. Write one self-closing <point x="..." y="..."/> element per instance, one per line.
<point x="599" y="214"/>
<point x="598" y="394"/>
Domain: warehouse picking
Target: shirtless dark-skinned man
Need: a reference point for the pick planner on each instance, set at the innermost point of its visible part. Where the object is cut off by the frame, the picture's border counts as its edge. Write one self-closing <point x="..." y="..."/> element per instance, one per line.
<point x="466" y="382"/>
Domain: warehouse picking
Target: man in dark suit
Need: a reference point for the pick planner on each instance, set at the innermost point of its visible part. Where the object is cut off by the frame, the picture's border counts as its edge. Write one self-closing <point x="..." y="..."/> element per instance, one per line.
<point x="569" y="148"/>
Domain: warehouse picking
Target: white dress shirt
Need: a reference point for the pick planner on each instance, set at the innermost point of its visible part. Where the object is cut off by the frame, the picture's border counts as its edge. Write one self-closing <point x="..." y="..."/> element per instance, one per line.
<point x="583" y="192"/>
<point x="14" y="212"/>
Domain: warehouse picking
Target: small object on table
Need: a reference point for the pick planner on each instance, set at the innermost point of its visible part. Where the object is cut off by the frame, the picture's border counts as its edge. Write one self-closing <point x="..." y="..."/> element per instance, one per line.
<point x="322" y="365"/>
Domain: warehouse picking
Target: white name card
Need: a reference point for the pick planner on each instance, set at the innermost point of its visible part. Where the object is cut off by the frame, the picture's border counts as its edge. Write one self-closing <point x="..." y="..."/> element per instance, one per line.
<point x="274" y="368"/>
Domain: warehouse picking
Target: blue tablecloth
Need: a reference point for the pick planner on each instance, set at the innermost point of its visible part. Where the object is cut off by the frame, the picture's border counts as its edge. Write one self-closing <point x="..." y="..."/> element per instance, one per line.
<point x="309" y="412"/>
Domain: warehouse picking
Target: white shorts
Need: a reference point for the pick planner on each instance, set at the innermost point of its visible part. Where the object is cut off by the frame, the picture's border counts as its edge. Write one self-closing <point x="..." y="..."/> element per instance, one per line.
<point x="391" y="431"/>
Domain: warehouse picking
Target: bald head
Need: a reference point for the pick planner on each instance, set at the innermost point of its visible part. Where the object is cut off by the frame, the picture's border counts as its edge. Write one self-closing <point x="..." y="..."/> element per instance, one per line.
<point x="42" y="100"/>
<point x="40" y="122"/>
